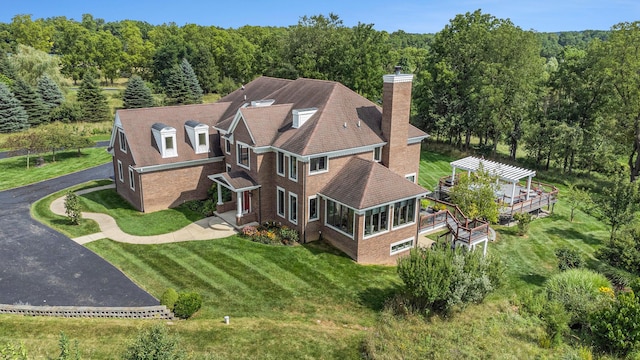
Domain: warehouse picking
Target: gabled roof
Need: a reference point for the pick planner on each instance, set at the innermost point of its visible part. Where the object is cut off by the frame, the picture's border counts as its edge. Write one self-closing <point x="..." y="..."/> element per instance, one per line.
<point x="363" y="184"/>
<point x="137" y="125"/>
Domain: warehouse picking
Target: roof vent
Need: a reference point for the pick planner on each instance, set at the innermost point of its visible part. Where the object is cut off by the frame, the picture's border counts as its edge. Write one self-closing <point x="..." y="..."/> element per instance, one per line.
<point x="300" y="116"/>
<point x="262" y="103"/>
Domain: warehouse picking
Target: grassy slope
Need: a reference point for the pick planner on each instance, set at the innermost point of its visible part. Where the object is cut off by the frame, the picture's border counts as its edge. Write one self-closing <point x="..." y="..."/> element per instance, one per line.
<point x="15" y="173"/>
<point x="311" y="302"/>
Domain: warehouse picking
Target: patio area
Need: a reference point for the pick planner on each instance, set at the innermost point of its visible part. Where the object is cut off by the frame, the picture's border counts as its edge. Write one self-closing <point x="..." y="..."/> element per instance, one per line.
<point x="515" y="189"/>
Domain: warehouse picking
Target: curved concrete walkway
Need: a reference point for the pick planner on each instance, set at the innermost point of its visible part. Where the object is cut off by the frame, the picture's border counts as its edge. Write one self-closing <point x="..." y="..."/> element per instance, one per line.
<point x="205" y="229"/>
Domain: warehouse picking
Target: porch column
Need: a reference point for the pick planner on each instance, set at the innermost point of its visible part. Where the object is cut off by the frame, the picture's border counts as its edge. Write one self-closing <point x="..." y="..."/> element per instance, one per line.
<point x="513" y="192"/>
<point x="239" y="198"/>
<point x="219" y="194"/>
<point x="528" y="186"/>
<point x="484" y="250"/>
<point x="453" y="175"/>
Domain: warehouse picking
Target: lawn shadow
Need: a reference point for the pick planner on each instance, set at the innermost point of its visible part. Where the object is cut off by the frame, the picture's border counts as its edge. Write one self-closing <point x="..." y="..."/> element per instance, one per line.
<point x="323" y="247"/>
<point x="574" y="234"/>
<point x="533" y="279"/>
<point x="375" y="298"/>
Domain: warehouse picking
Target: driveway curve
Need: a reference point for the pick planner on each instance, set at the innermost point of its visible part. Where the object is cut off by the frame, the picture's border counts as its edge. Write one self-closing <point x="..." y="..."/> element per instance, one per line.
<point x="40" y="266"/>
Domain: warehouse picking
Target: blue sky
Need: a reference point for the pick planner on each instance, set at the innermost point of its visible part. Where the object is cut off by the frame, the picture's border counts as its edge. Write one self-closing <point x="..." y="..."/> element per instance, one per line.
<point x="414" y="16"/>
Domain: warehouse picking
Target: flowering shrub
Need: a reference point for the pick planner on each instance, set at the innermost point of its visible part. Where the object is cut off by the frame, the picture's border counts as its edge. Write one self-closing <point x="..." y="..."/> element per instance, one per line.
<point x="272" y="233"/>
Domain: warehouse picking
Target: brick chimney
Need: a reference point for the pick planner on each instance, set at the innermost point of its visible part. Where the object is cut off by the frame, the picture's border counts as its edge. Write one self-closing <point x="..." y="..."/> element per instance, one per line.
<point x="396" y="108"/>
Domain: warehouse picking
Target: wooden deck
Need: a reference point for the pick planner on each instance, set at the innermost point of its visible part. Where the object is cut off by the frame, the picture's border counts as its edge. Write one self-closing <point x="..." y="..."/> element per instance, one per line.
<point x="539" y="196"/>
<point x="462" y="229"/>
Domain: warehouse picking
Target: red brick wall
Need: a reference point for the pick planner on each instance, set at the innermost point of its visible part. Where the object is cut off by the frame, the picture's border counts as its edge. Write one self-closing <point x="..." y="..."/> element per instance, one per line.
<point x="170" y="188"/>
<point x="396" y="103"/>
<point x="122" y="187"/>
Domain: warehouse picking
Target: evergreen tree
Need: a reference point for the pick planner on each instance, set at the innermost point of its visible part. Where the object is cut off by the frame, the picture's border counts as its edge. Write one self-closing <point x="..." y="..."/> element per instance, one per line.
<point x="93" y="102"/>
<point x="191" y="82"/>
<point x="137" y="94"/>
<point x="32" y="102"/>
<point x="6" y="68"/>
<point x="49" y="92"/>
<point x="13" y="117"/>
<point x="176" y="89"/>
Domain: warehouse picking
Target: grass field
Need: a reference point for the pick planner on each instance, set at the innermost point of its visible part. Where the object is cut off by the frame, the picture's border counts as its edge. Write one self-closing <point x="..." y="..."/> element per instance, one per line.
<point x="313" y="302"/>
<point x="15" y="173"/>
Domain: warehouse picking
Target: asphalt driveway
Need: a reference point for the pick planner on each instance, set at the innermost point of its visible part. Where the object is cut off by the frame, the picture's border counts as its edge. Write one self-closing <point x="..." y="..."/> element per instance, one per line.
<point x="39" y="266"/>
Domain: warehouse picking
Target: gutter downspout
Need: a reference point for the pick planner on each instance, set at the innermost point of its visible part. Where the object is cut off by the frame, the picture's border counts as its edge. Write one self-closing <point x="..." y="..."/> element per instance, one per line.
<point x="304" y="202"/>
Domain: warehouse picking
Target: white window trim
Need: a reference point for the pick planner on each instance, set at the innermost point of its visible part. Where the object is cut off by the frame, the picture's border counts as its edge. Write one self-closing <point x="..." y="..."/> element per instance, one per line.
<point x="120" y="172"/>
<point x="227" y="146"/>
<point x="411" y="239"/>
<point x="166" y="153"/>
<point x="415" y="177"/>
<point x="393" y="215"/>
<point x="310" y="219"/>
<point x="132" y="180"/>
<point x="380" y="154"/>
<point x="293" y="196"/>
<point x="284" y="207"/>
<point x="238" y="145"/>
<point x="326" y="208"/>
<point x="122" y="140"/>
<point x="389" y="224"/>
<point x="284" y="163"/>
<point x="202" y="148"/>
<point x="326" y="165"/>
<point x="291" y="159"/>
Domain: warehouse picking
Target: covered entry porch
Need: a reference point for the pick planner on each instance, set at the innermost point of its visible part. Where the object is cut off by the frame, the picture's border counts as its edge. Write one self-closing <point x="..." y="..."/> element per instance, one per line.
<point x="244" y="199"/>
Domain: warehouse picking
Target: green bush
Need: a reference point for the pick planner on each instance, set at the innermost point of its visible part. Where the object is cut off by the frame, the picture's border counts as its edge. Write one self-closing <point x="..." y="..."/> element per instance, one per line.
<point x="524" y="221"/>
<point x="580" y="291"/>
<point x="154" y="343"/>
<point x="532" y="303"/>
<point x="616" y="328"/>
<point x="556" y="320"/>
<point x="568" y="258"/>
<point x="440" y="278"/>
<point x="72" y="208"/>
<point x="169" y="298"/>
<point x="187" y="304"/>
<point x="623" y="250"/>
<point x="11" y="351"/>
<point x="288" y="235"/>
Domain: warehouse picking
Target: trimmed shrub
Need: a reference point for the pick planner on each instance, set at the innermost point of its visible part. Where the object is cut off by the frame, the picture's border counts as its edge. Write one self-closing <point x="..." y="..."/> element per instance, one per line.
<point x="568" y="258"/>
<point x="616" y="328"/>
<point x="579" y="291"/>
<point x="169" y="298"/>
<point x="187" y="304"/>
<point x="72" y="208"/>
<point x="288" y="235"/>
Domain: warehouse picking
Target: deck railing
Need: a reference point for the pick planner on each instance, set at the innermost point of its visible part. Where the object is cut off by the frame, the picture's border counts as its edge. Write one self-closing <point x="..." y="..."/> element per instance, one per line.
<point x="545" y="195"/>
<point x="462" y="228"/>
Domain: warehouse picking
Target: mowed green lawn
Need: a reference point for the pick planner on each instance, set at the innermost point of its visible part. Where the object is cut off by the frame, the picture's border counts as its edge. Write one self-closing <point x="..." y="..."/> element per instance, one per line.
<point x="15" y="173"/>
<point x="312" y="302"/>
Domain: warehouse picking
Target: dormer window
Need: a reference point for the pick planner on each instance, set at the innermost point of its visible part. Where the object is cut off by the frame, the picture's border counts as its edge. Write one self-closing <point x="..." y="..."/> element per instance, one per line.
<point x="165" y="137"/>
<point x="300" y="116"/>
<point x="198" y="136"/>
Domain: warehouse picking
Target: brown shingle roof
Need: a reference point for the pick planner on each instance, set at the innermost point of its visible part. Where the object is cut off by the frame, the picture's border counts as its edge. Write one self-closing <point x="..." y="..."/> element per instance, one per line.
<point x="137" y="124"/>
<point x="237" y="180"/>
<point x="363" y="184"/>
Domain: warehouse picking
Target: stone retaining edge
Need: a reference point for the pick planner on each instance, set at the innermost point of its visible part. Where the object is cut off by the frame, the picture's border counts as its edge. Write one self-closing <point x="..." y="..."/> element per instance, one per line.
<point x="144" y="312"/>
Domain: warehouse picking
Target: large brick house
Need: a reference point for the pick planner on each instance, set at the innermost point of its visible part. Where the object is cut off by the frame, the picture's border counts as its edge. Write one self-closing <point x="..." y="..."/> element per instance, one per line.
<point x="311" y="154"/>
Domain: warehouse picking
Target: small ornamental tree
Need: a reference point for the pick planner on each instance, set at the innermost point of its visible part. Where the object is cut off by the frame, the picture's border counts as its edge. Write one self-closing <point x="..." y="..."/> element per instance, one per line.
<point x="154" y="343"/>
<point x="137" y="94"/>
<point x="13" y="117"/>
<point x="93" y="102"/>
<point x="29" y="142"/>
<point x="619" y="203"/>
<point x="524" y="221"/>
<point x="72" y="207"/>
<point x="475" y="195"/>
<point x="49" y="92"/>
<point x="577" y="198"/>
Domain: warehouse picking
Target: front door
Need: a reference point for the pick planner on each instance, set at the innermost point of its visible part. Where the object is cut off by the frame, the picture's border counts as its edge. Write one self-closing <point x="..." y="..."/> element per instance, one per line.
<point x="246" y="202"/>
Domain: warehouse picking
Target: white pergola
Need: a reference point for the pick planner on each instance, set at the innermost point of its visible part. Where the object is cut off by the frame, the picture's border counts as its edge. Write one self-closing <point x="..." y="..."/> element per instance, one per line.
<point x="504" y="172"/>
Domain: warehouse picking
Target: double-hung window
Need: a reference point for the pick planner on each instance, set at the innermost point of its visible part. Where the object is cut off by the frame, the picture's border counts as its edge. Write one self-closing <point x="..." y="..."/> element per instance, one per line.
<point x="280" y="202"/>
<point x="120" y="171"/>
<point x="123" y="141"/>
<point x="280" y="160"/>
<point x="318" y="164"/>
<point x="243" y="155"/>
<point x="132" y="182"/>
<point x="293" y="208"/>
<point x="313" y="208"/>
<point x="293" y="168"/>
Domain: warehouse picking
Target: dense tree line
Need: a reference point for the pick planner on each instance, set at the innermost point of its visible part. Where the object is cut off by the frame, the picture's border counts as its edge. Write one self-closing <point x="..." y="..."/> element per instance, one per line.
<point x="566" y="98"/>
